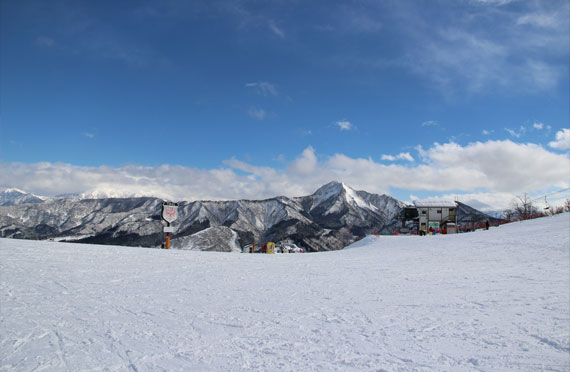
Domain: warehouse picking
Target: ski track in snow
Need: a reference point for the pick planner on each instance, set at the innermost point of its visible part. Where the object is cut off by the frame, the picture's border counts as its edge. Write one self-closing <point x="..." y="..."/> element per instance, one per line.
<point x="493" y="300"/>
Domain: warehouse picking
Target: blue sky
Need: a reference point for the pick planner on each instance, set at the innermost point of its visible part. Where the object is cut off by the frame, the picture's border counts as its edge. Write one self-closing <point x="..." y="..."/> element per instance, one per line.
<point x="230" y="99"/>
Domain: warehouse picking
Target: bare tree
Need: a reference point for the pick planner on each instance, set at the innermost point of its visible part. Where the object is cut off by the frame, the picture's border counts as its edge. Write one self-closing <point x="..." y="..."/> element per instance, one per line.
<point x="522" y="206"/>
<point x="567" y="205"/>
<point x="508" y="214"/>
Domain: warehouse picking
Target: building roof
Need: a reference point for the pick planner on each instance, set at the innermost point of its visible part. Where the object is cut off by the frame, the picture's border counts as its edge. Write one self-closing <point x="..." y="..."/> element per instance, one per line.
<point x="434" y="204"/>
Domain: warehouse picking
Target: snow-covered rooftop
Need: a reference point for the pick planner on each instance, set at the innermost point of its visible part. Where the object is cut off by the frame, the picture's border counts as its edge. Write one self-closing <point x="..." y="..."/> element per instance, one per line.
<point x="434" y="203"/>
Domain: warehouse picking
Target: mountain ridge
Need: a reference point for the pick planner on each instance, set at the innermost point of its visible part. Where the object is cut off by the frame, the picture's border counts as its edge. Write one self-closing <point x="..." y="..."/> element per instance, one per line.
<point x="329" y="219"/>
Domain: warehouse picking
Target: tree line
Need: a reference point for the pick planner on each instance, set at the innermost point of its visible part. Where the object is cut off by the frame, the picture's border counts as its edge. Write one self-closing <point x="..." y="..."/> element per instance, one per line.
<point x="523" y="207"/>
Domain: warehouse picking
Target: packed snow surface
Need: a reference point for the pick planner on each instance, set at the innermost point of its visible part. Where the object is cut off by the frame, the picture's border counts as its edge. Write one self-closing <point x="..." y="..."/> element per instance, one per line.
<point x="494" y="300"/>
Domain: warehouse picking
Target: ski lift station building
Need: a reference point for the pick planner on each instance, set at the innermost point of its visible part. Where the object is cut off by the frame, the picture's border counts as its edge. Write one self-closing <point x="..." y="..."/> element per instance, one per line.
<point x="437" y="215"/>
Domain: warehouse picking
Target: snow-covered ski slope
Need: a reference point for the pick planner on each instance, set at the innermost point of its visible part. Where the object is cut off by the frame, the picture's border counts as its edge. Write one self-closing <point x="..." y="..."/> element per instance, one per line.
<point x="493" y="300"/>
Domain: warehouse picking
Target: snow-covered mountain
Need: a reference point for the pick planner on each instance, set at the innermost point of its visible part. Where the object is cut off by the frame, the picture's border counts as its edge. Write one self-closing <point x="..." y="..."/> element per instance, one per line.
<point x="336" y="205"/>
<point x="334" y="216"/>
<point x="13" y="196"/>
<point x="123" y="221"/>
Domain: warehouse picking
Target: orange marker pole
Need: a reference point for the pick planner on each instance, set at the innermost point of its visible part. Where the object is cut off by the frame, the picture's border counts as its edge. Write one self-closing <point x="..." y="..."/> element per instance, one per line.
<point x="167" y="245"/>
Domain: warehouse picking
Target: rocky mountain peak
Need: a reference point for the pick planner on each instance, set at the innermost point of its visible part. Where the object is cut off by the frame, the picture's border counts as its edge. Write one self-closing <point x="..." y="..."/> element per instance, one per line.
<point x="334" y="195"/>
<point x="333" y="188"/>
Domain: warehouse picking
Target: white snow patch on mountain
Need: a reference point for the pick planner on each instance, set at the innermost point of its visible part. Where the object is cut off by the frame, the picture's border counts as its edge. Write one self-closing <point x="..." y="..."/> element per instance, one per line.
<point x="219" y="238"/>
<point x="111" y="193"/>
<point x="496" y="300"/>
<point x="14" y="196"/>
<point x="356" y="200"/>
<point x="343" y="193"/>
<point x="326" y="192"/>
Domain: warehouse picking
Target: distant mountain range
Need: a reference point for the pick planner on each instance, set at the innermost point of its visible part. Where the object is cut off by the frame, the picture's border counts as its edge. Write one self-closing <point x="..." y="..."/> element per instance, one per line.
<point x="334" y="216"/>
<point x="14" y="196"/>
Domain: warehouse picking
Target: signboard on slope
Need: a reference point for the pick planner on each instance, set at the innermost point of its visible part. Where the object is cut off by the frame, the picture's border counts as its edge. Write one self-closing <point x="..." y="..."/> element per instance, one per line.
<point x="169" y="211"/>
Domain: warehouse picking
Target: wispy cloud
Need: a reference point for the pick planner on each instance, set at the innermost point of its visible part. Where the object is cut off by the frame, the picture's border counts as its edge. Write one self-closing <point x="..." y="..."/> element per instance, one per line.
<point x="263" y="88"/>
<point x="494" y="2"/>
<point x="76" y="31"/>
<point x="491" y="47"/>
<point x="430" y="123"/>
<point x="517" y="134"/>
<point x="45" y="41"/>
<point x="540" y="20"/>
<point x="257" y="113"/>
<point x="89" y="135"/>
<point x="344" y="125"/>
<point x="276" y="29"/>
<point x="356" y="19"/>
<point x="487" y="132"/>
<point x="475" y="48"/>
<point x="538" y="126"/>
<point x="453" y="53"/>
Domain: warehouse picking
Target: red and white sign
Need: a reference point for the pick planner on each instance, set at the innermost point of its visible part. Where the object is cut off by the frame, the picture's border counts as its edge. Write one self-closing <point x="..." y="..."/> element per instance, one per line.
<point x="169" y="211"/>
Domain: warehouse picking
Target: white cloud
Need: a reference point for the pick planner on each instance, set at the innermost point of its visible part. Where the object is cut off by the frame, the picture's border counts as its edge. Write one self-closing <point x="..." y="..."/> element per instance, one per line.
<point x="264" y="88"/>
<point x="542" y="75"/>
<point x="306" y="164"/>
<point x="562" y="140"/>
<point x="45" y="41"/>
<point x="538" y="126"/>
<point x="487" y="132"/>
<point x="413" y="197"/>
<point x="356" y="20"/>
<point x="477" y="48"/>
<point x="539" y="20"/>
<point x="430" y="123"/>
<point x="400" y="156"/>
<point x="344" y="125"/>
<point x="406" y="156"/>
<point x="515" y="133"/>
<point x="257" y="113"/>
<point x="520" y="54"/>
<point x="454" y="56"/>
<point x="494" y="2"/>
<point x="89" y="135"/>
<point x="487" y="172"/>
<point x="501" y="165"/>
<point x="275" y="29"/>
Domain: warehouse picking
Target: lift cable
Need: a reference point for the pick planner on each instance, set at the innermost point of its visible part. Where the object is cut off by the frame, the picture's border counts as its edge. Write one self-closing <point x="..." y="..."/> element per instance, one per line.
<point x="552" y="193"/>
